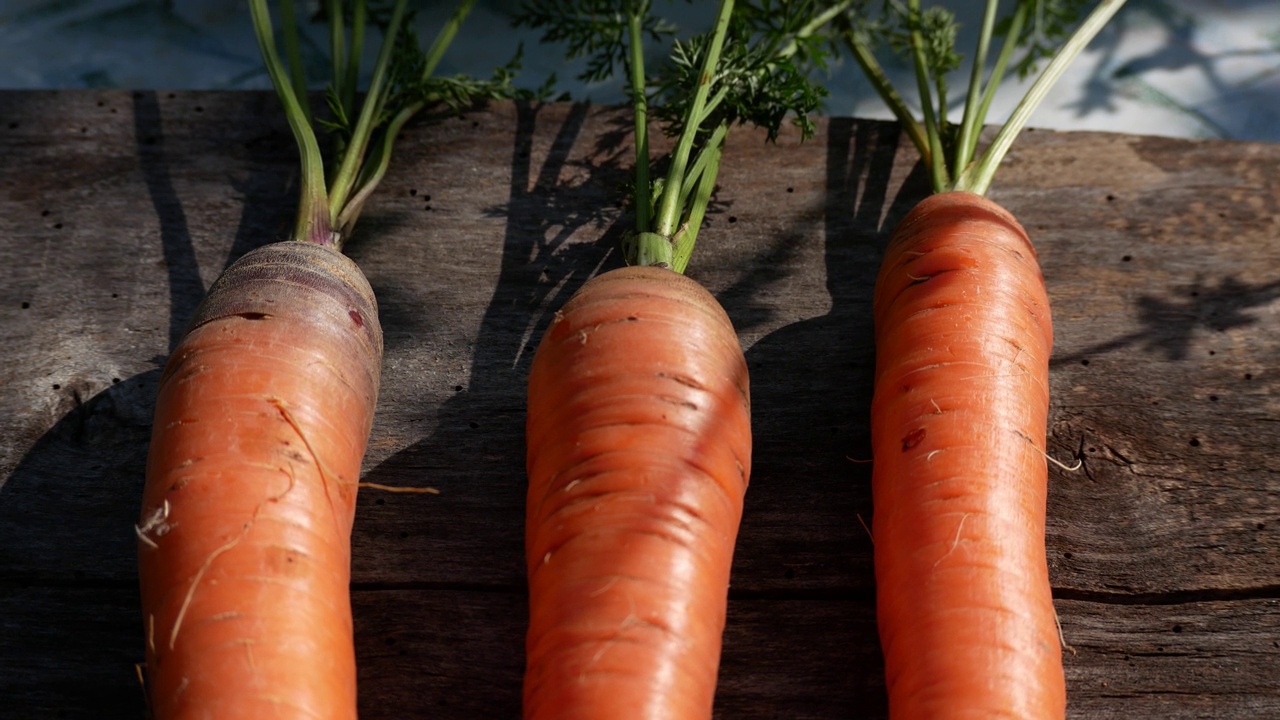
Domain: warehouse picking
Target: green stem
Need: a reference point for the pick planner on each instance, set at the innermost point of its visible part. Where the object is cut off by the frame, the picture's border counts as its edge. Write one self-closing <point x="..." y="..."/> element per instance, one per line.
<point x="704" y="163"/>
<point x="445" y="37"/>
<point x="932" y="128"/>
<point x="643" y="193"/>
<point x="688" y="233"/>
<point x="1002" y="61"/>
<point x="374" y="170"/>
<point x="313" y="223"/>
<point x="352" y="159"/>
<point x="971" y="123"/>
<point x="293" y="52"/>
<point x="351" y="73"/>
<point x="668" y="215"/>
<point x="977" y="178"/>
<point x="856" y="40"/>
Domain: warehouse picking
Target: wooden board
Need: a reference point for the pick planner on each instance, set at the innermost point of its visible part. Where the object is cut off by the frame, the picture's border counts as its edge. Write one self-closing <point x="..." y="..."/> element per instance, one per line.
<point x="1162" y="258"/>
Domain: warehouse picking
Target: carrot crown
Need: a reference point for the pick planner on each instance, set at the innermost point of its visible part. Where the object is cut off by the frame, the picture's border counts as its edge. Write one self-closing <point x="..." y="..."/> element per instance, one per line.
<point x="752" y="67"/>
<point x="1030" y="32"/>
<point x="401" y="85"/>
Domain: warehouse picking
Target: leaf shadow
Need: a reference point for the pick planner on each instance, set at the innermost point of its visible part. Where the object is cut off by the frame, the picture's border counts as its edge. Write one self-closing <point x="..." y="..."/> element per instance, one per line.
<point x="1169" y="325"/>
<point x="475" y="453"/>
<point x="811" y="392"/>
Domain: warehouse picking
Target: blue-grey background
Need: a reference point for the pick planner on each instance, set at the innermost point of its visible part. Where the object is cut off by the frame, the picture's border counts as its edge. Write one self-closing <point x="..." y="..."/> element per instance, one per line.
<point x="1188" y="68"/>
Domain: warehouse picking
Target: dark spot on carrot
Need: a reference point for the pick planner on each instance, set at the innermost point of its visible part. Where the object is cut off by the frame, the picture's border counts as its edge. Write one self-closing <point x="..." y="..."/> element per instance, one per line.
<point x="913" y="438"/>
<point x="632" y="318"/>
<point x="356" y="317"/>
<point x="683" y="380"/>
<point x="252" y="315"/>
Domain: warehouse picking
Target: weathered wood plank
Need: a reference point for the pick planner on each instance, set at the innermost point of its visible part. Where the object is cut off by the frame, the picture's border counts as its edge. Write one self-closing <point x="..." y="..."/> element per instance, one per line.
<point x="457" y="654"/>
<point x="1162" y="258"/>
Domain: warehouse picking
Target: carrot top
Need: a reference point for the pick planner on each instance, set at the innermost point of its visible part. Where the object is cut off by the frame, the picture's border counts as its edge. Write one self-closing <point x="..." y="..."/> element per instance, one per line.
<point x="752" y="67"/>
<point x="363" y="133"/>
<point x="1031" y="31"/>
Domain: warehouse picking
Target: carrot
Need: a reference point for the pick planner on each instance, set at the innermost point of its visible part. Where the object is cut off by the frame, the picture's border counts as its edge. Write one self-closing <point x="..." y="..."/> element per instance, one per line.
<point x="262" y="418"/>
<point x="639" y="453"/>
<point x="260" y="426"/>
<point x="959" y="416"/>
<point x="960" y="407"/>
<point x="639" y="429"/>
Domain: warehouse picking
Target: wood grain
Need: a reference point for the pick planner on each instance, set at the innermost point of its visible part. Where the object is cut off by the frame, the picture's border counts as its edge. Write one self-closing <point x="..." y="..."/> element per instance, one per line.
<point x="1163" y="262"/>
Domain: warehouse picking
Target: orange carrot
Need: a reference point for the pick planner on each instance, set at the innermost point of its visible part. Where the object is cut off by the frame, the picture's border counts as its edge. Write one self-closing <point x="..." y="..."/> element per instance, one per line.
<point x="960" y="409"/>
<point x="639" y="451"/>
<point x="263" y="416"/>
<point x="639" y="424"/>
<point x="963" y="338"/>
<point x="261" y="422"/>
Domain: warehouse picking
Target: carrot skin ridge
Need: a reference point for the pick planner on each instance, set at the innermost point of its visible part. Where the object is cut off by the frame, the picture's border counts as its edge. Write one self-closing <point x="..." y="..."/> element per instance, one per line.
<point x="639" y="450"/>
<point x="959" y="483"/>
<point x="262" y="418"/>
